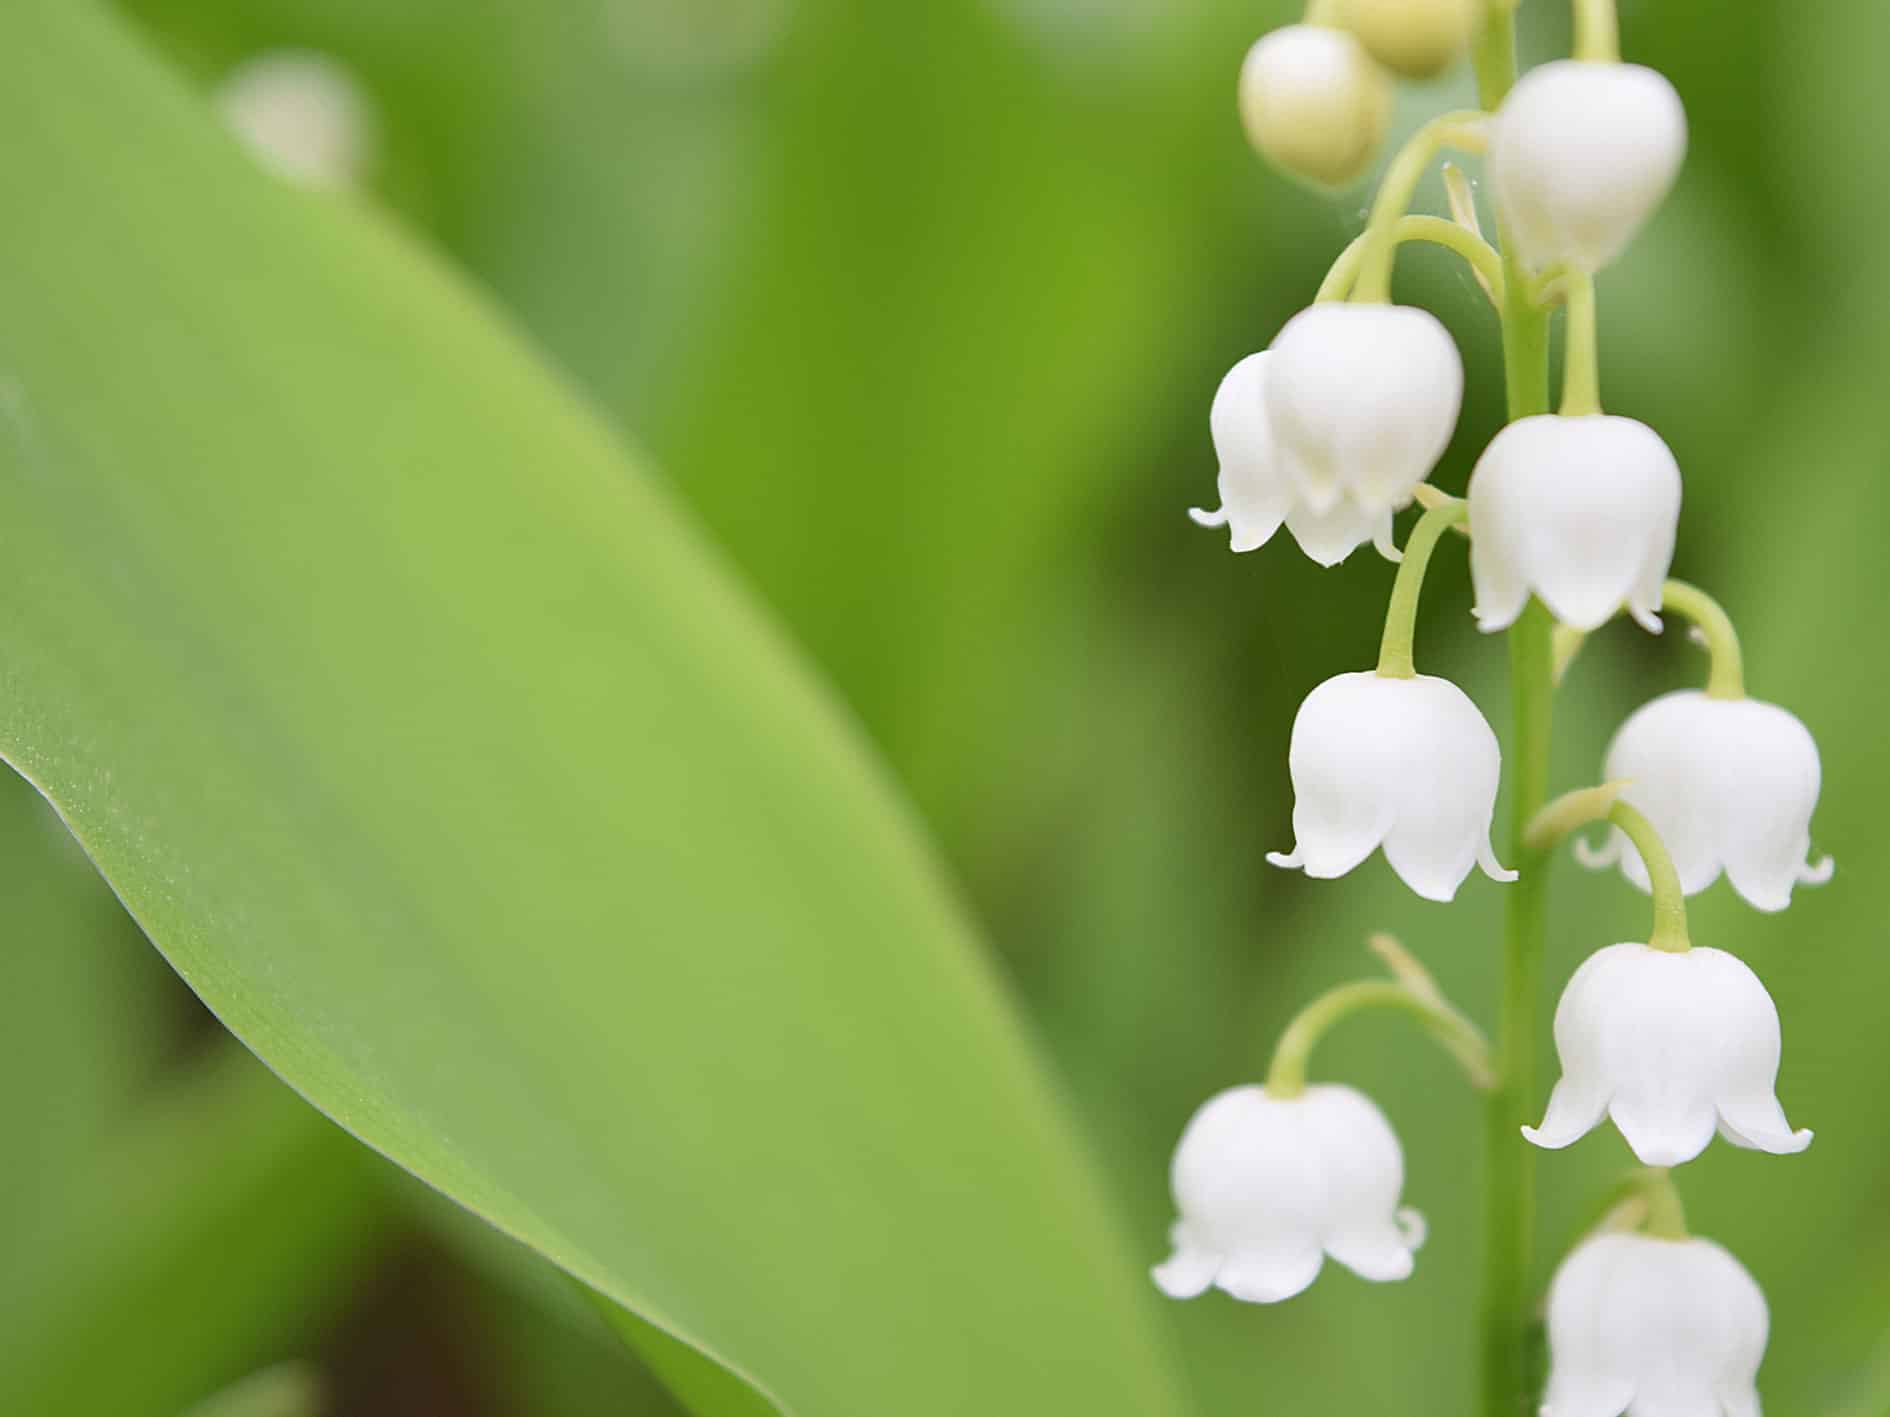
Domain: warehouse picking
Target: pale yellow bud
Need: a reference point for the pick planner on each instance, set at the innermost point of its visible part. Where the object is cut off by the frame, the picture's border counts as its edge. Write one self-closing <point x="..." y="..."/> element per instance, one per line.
<point x="1416" y="38"/>
<point x="1314" y="103"/>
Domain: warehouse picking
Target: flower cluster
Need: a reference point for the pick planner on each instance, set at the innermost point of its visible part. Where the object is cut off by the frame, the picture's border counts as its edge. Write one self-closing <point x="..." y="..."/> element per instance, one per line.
<point x="1571" y="518"/>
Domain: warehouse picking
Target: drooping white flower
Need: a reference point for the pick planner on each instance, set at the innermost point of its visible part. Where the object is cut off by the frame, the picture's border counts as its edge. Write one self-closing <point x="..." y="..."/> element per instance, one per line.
<point x="1416" y="38"/>
<point x="1314" y="103"/>
<point x="1363" y="400"/>
<point x="1729" y="784"/>
<point x="1256" y="496"/>
<point x="1670" y="1045"/>
<point x="1652" y="1327"/>
<point x="1409" y="764"/>
<point x="1267" y="1187"/>
<point x="1580" y="155"/>
<point x="304" y="114"/>
<point x="1580" y="511"/>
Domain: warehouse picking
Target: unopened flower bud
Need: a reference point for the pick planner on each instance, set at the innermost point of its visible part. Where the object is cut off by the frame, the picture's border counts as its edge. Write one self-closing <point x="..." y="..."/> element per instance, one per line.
<point x="1314" y="103"/>
<point x="1640" y="1324"/>
<point x="1416" y="38"/>
<point x="1580" y="155"/>
<point x="1269" y="1186"/>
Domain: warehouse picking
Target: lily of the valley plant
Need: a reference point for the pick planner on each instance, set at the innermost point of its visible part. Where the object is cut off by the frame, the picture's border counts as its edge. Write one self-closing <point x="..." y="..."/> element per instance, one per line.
<point x="1571" y="516"/>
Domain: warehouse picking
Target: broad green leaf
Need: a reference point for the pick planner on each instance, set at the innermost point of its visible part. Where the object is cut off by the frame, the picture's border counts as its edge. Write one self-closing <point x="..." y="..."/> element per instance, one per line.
<point x="446" y="765"/>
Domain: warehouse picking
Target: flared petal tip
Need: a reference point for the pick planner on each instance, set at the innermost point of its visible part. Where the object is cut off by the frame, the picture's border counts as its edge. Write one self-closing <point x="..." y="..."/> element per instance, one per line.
<point x="1551" y="1140"/>
<point x="1642" y="616"/>
<point x="1494" y="622"/>
<point x="1817" y="873"/>
<point x="1200" y="516"/>
<point x="1287" y="860"/>
<point x="1494" y="869"/>
<point x="1185" y="1275"/>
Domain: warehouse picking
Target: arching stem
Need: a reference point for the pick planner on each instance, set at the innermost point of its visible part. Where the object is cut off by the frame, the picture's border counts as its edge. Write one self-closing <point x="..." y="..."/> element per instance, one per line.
<point x="1462" y="130"/>
<point x="1480" y="255"/>
<point x="1666" y="1215"/>
<point x="1727" y="677"/>
<point x="1413" y="992"/>
<point x="1394" y="651"/>
<point x="1572" y="811"/>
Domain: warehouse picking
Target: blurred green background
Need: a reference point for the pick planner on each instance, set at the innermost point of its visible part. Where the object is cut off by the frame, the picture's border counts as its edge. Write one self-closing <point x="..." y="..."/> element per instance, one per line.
<point x="921" y="307"/>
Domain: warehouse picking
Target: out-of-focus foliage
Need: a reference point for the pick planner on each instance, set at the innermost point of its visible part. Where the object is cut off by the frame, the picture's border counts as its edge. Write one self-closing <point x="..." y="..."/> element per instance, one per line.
<point x="921" y="307"/>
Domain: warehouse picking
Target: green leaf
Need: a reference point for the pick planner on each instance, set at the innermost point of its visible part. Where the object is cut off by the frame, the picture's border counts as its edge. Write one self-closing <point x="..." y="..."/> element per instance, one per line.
<point x="448" y="767"/>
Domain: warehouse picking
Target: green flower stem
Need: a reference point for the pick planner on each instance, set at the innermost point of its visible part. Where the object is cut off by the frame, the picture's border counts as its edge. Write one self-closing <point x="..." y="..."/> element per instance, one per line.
<point x="1463" y="130"/>
<point x="1666" y="1216"/>
<point x="1574" y="810"/>
<point x="1286" y="1077"/>
<point x="1434" y="229"/>
<point x="1670" y="901"/>
<point x="1581" y="365"/>
<point x="1323" y="12"/>
<point x="1509" y="1167"/>
<point x="1597" y="32"/>
<point x="1394" y="651"/>
<point x="1727" y="678"/>
<point x="1569" y="813"/>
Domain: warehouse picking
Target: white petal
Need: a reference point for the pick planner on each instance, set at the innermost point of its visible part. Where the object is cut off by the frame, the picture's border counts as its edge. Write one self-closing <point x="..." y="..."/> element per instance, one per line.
<point x="1577" y="510"/>
<point x="1364" y="399"/>
<point x="1314" y="103"/>
<point x="1580" y="155"/>
<point x="1187" y="1274"/>
<point x="1446" y="777"/>
<point x="1364" y="1168"/>
<point x="1576" y="1107"/>
<point x="1768" y="779"/>
<point x="1757" y="1123"/>
<point x="1676" y="755"/>
<point x="1268" y="1276"/>
<point x="1329" y="537"/>
<point x="1663" y="1128"/>
<point x="1254" y="491"/>
<point x="1656" y="1326"/>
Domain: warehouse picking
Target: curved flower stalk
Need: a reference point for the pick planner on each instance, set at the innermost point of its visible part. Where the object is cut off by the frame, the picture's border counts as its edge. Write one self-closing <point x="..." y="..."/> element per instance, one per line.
<point x="1314" y="103"/>
<point x="1580" y="155"/>
<point x="1654" y="1327"/>
<point x="1669" y="1045"/>
<point x="1256" y="496"/>
<point x="1267" y="1187"/>
<point x="1579" y="511"/>
<point x="1729" y="782"/>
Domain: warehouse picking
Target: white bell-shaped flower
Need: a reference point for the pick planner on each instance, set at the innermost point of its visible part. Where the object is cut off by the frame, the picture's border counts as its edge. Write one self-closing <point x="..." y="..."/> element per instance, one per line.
<point x="1268" y="1186"/>
<point x="1409" y="764"/>
<point x="1314" y="103"/>
<point x="1729" y="784"/>
<point x="1580" y="155"/>
<point x="1256" y="496"/>
<point x="1580" y="511"/>
<point x="1363" y="400"/>
<point x="1651" y="1327"/>
<point x="1670" y="1045"/>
